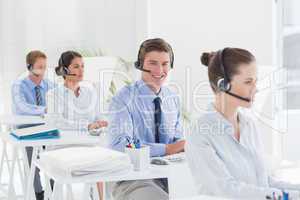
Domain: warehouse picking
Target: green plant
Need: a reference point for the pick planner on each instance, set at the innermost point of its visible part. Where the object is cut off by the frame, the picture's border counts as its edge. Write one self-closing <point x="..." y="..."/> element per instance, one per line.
<point x="91" y="52"/>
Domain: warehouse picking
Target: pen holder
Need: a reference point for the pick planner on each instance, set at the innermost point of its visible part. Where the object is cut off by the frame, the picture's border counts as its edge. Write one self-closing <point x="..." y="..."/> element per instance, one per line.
<point x="140" y="157"/>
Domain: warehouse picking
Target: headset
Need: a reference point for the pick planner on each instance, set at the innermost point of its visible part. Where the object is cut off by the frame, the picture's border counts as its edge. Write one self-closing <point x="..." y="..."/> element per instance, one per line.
<point x="30" y="68"/>
<point x="62" y="69"/>
<point x="139" y="65"/>
<point x="223" y="83"/>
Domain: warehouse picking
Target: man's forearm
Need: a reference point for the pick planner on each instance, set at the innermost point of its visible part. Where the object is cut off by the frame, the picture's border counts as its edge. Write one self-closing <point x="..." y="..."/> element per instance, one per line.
<point x="175" y="147"/>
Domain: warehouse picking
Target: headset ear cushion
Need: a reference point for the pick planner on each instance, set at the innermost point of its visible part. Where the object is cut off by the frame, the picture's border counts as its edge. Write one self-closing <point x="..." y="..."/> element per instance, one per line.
<point x="137" y="64"/>
<point x="66" y="71"/>
<point x="29" y="67"/>
<point x="223" y="85"/>
<point x="172" y="58"/>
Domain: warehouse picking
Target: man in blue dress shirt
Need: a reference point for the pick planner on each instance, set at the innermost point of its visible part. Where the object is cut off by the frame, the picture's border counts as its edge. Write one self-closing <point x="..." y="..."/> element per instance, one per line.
<point x="149" y="111"/>
<point x="28" y="98"/>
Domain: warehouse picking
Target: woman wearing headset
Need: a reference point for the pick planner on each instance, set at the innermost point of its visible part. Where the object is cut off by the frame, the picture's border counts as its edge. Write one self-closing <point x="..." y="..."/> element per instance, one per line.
<point x="74" y="105"/>
<point x="224" y="148"/>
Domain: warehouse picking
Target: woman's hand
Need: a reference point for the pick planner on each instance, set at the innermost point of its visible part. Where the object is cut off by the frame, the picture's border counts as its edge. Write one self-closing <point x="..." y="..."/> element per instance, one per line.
<point x="102" y="123"/>
<point x="93" y="126"/>
<point x="97" y="124"/>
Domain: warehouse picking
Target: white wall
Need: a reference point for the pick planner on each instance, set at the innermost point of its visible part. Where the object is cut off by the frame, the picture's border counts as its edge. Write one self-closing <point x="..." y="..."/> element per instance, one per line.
<point x="58" y="25"/>
<point x="12" y="45"/>
<point x="195" y="26"/>
<point x="118" y="27"/>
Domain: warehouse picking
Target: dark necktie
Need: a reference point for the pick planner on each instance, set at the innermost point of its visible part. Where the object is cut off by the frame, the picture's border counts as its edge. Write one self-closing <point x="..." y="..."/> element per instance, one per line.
<point x="157" y="117"/>
<point x="38" y="95"/>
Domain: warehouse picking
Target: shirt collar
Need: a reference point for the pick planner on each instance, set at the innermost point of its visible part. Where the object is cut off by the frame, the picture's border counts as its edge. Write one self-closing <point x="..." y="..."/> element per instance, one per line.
<point x="32" y="85"/>
<point x="145" y="91"/>
<point x="71" y="92"/>
<point x="227" y="126"/>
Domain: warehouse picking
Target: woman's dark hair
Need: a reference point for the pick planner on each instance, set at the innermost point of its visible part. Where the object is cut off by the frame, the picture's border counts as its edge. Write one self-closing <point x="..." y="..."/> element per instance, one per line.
<point x="231" y="59"/>
<point x="64" y="62"/>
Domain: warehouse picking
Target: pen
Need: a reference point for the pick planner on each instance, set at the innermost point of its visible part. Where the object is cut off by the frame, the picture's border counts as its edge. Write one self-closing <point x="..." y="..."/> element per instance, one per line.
<point x="285" y="195"/>
<point x="137" y="144"/>
<point x="279" y="197"/>
<point x="274" y="196"/>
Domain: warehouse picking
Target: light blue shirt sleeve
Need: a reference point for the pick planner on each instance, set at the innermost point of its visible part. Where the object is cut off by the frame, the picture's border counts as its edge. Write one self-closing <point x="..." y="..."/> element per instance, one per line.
<point x="20" y="105"/>
<point x="121" y="126"/>
<point x="132" y="116"/>
<point x="157" y="149"/>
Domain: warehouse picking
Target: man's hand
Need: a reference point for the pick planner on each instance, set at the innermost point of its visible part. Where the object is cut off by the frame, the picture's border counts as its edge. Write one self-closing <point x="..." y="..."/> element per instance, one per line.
<point x="175" y="147"/>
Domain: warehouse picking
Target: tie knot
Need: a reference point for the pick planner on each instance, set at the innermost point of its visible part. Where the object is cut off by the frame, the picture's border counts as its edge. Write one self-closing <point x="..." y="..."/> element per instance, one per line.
<point x="157" y="100"/>
<point x="38" y="87"/>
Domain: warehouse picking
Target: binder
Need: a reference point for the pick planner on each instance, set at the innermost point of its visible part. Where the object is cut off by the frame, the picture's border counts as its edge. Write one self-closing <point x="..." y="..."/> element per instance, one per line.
<point x="36" y="133"/>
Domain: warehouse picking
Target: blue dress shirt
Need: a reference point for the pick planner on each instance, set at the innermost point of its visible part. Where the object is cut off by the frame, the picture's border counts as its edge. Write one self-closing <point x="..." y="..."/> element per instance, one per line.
<point x="132" y="116"/>
<point x="24" y="97"/>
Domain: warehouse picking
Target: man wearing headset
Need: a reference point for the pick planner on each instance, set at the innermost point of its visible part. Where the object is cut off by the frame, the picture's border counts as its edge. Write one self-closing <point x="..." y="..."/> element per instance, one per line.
<point x="28" y="98"/>
<point x="28" y="94"/>
<point x="149" y="112"/>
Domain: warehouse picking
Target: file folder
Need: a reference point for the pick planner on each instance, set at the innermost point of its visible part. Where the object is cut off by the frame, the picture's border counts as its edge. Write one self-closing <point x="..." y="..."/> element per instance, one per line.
<point x="36" y="133"/>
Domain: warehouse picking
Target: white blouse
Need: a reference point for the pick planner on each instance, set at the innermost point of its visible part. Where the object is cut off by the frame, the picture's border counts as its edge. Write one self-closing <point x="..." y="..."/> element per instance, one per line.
<point x="69" y="112"/>
<point x="223" y="166"/>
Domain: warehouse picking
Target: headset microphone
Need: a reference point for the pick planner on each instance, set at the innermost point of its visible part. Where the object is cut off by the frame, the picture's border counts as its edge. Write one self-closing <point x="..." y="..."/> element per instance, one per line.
<point x="30" y="68"/>
<point x="144" y="70"/>
<point x="239" y="97"/>
<point x="67" y="72"/>
<point x="63" y="71"/>
<point x="70" y="75"/>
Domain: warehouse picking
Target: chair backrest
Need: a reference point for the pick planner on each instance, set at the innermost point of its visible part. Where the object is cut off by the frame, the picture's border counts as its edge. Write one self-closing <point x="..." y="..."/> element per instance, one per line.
<point x="99" y="71"/>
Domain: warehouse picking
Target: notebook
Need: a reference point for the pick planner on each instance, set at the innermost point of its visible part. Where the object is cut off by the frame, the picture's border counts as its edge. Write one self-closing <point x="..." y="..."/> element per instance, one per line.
<point x="36" y="133"/>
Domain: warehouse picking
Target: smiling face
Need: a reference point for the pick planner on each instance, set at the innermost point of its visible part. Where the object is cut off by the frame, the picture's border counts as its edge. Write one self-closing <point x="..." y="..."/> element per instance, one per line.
<point x="39" y="67"/>
<point x="76" y="68"/>
<point x="244" y="84"/>
<point x="158" y="63"/>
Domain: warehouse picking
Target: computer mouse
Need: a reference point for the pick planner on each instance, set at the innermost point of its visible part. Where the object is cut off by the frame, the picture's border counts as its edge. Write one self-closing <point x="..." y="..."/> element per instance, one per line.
<point x="96" y="132"/>
<point x="159" y="161"/>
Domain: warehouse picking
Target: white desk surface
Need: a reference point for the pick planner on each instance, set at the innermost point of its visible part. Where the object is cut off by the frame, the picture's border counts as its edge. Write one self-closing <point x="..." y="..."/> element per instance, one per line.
<point x="180" y="185"/>
<point x="66" y="138"/>
<point x="201" y="197"/>
<point x="152" y="173"/>
<point x="177" y="173"/>
<point x="290" y="175"/>
<point x="20" y="119"/>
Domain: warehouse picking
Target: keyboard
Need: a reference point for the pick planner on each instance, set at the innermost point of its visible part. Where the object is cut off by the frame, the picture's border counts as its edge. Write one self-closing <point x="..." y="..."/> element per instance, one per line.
<point x="178" y="157"/>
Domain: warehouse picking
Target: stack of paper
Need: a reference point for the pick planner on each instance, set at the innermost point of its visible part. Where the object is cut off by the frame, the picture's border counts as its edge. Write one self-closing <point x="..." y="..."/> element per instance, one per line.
<point x="35" y="133"/>
<point x="80" y="161"/>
